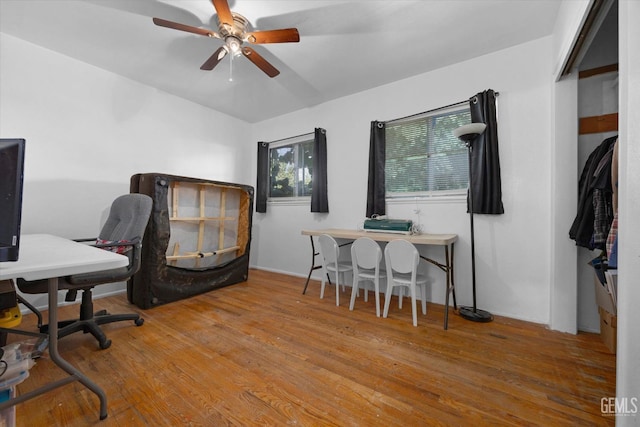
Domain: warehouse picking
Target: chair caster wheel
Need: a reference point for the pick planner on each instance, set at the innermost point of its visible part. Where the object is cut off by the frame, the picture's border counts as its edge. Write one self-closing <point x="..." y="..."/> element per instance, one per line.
<point x="105" y="344"/>
<point x="139" y="322"/>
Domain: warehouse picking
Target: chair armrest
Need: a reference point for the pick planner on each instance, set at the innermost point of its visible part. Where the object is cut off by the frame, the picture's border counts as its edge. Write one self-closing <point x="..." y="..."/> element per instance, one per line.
<point x="132" y="243"/>
<point x="110" y="276"/>
<point x="88" y="239"/>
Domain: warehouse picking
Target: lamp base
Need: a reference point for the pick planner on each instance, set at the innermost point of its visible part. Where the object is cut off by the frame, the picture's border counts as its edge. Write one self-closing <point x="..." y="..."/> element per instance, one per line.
<point x="475" y="316"/>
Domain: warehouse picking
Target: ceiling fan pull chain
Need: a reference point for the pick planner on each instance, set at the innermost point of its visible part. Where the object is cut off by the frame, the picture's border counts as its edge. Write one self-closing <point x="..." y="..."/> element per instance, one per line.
<point x="231" y="68"/>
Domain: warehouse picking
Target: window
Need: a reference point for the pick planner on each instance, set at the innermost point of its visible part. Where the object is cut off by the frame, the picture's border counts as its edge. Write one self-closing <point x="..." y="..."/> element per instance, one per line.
<point x="290" y="167"/>
<point x="423" y="157"/>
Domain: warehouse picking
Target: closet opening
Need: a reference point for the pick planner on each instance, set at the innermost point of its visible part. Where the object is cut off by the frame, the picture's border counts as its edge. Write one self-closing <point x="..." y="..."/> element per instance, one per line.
<point x="597" y="65"/>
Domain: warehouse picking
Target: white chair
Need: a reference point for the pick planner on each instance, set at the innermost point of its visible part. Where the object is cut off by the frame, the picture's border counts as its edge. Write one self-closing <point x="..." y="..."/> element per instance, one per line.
<point x="330" y="253"/>
<point x="401" y="259"/>
<point x="365" y="257"/>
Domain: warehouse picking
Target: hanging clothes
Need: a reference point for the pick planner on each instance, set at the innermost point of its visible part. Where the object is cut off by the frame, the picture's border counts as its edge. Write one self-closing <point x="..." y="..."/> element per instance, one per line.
<point x="602" y="201"/>
<point x="594" y="190"/>
<point x="614" y="176"/>
<point x="612" y="243"/>
<point x="612" y="239"/>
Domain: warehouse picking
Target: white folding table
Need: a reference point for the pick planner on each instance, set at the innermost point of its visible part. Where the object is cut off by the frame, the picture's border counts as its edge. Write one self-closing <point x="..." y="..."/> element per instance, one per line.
<point x="43" y="256"/>
<point x="444" y="240"/>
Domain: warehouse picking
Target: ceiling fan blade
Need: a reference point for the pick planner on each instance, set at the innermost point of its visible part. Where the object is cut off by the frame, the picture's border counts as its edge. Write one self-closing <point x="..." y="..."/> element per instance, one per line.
<point x="188" y="28"/>
<point x="213" y="60"/>
<point x="285" y="35"/>
<point x="224" y="13"/>
<point x="260" y="62"/>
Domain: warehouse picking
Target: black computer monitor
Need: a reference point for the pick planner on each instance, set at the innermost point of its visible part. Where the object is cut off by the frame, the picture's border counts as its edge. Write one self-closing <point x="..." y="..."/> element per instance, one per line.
<point x="11" y="178"/>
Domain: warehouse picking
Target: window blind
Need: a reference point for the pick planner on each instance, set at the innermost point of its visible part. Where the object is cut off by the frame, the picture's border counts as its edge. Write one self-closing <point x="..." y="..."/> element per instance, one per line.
<point x="423" y="156"/>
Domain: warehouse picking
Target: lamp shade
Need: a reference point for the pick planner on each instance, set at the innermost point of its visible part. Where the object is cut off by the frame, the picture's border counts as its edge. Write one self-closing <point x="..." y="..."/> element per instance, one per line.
<point x="468" y="132"/>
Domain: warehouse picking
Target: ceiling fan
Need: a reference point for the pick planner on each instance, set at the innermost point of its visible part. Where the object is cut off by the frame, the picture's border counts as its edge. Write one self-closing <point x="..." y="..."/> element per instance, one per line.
<point x="232" y="29"/>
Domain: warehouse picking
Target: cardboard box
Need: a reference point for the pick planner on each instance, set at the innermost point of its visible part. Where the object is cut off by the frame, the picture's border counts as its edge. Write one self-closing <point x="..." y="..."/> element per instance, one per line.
<point x="604" y="299"/>
<point x="608" y="329"/>
<point x="608" y="319"/>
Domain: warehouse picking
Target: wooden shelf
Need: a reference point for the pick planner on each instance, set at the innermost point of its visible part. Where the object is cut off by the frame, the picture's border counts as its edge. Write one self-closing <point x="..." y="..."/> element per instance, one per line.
<point x="599" y="124"/>
<point x="204" y="218"/>
<point x="612" y="68"/>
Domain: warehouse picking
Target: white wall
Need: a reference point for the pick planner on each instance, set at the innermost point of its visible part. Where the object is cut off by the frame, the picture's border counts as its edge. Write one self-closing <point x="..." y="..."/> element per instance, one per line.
<point x="512" y="250"/>
<point x="628" y="362"/>
<point x="88" y="131"/>
<point x="563" y="168"/>
<point x="563" y="196"/>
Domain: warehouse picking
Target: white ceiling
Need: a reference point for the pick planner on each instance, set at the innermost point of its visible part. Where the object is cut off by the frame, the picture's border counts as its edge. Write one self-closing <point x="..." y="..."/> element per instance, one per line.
<point x="345" y="46"/>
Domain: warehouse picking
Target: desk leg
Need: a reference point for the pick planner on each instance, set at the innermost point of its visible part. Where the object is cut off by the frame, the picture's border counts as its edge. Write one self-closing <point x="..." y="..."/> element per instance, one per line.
<point x="453" y="286"/>
<point x="58" y="360"/>
<point x="313" y="265"/>
<point x="448" y="256"/>
<point x="74" y="374"/>
<point x="448" y="285"/>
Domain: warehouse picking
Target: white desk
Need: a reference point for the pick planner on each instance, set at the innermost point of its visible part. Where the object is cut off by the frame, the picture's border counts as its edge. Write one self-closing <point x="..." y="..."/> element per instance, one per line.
<point x="445" y="240"/>
<point x="49" y="257"/>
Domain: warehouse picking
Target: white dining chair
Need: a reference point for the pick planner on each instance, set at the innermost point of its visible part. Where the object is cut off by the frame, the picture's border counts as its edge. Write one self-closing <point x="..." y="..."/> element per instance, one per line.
<point x="401" y="260"/>
<point x="365" y="258"/>
<point x="330" y="254"/>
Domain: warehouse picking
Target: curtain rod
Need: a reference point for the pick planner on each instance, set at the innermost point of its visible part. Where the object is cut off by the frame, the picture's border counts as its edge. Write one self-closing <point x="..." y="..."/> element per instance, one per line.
<point x="431" y="111"/>
<point x="290" y="137"/>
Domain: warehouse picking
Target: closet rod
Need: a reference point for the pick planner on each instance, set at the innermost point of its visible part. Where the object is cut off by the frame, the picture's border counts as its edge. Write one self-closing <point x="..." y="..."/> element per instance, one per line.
<point x="430" y="111"/>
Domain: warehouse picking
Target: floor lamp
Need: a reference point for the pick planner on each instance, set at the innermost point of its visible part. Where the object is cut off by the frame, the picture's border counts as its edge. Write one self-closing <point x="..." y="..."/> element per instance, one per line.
<point x="468" y="134"/>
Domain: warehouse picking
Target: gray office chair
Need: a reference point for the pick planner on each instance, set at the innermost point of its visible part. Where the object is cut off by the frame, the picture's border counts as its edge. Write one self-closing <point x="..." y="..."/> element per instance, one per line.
<point x="122" y="232"/>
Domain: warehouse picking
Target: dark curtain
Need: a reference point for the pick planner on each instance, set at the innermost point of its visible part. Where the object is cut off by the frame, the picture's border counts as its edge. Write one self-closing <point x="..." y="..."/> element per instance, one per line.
<point x="376" y="187"/>
<point x="262" y="184"/>
<point x="485" y="161"/>
<point x="319" y="199"/>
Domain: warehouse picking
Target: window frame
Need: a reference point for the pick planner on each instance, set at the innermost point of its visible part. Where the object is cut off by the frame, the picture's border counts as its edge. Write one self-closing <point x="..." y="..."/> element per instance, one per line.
<point x="456" y="195"/>
<point x="293" y="141"/>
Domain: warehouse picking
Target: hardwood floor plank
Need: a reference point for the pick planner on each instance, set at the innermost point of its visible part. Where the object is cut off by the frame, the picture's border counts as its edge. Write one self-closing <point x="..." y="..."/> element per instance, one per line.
<point x="261" y="353"/>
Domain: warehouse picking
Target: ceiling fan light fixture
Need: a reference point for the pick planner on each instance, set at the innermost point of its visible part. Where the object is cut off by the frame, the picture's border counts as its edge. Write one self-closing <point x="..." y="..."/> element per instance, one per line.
<point x="233" y="44"/>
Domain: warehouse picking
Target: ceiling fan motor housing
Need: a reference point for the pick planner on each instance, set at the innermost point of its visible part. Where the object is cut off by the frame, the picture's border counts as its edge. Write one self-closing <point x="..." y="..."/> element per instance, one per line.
<point x="234" y="35"/>
<point x="240" y="24"/>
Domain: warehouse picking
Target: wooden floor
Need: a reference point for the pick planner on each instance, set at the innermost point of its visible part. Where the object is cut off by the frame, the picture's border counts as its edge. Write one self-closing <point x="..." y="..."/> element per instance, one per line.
<point x="261" y="353"/>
